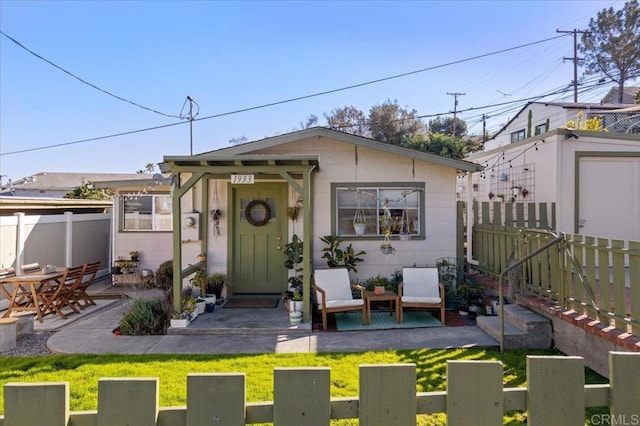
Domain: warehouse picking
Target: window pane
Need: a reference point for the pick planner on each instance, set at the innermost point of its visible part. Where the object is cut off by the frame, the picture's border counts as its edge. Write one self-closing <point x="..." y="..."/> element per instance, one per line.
<point x="137" y="212"/>
<point x="162" y="215"/>
<point x="147" y="212"/>
<point x="350" y="201"/>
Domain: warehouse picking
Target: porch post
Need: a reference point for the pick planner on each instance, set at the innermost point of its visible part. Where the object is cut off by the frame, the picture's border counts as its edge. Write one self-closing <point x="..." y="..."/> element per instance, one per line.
<point x="177" y="245"/>
<point x="307" y="243"/>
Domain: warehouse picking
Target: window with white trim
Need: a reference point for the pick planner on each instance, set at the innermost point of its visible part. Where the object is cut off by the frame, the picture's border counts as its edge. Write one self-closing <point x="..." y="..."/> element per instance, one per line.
<point x="146" y="212"/>
<point x="517" y="136"/>
<point x="540" y="129"/>
<point x="397" y="208"/>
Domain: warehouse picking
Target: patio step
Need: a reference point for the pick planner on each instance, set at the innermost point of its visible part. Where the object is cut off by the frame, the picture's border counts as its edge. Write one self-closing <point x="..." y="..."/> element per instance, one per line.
<point x="523" y="328"/>
<point x="191" y="330"/>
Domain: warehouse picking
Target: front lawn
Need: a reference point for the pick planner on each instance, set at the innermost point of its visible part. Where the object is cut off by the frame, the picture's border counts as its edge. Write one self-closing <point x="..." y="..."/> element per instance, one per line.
<point x="83" y="371"/>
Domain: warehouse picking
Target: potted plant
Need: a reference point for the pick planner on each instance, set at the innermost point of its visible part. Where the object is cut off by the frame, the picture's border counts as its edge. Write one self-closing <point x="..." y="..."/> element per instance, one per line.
<point x="448" y="276"/>
<point x="293" y="212"/>
<point x="189" y="307"/>
<point x="135" y="255"/>
<point x="337" y="257"/>
<point x="125" y="266"/>
<point x="179" y="320"/>
<point x="296" y="303"/>
<point x="359" y="222"/>
<point x="215" y="283"/>
<point x="471" y="294"/>
<point x="201" y="305"/>
<point x="198" y="281"/>
<point x="293" y="262"/>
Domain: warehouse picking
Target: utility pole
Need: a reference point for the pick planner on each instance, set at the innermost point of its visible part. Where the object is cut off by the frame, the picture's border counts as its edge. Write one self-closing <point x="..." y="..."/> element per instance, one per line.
<point x="575" y="60"/>
<point x="484" y="128"/>
<point x="455" y="108"/>
<point x="190" y="124"/>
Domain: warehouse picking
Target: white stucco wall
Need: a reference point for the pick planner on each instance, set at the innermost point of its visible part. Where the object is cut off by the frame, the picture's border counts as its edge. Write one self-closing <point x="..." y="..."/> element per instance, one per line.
<point x="553" y="173"/>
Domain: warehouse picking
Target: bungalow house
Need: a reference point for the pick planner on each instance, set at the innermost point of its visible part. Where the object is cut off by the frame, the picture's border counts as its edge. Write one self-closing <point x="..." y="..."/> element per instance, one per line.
<point x="232" y="205"/>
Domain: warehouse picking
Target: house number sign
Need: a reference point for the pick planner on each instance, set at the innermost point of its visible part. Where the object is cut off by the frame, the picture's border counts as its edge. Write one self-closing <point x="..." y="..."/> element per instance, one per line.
<point x="242" y="179"/>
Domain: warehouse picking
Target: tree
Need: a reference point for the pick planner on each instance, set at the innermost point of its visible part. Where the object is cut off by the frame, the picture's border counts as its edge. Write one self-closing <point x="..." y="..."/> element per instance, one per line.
<point x="347" y="119"/>
<point x="612" y="44"/>
<point x="390" y="123"/>
<point x="238" y="140"/>
<point x="149" y="168"/>
<point x="311" y="121"/>
<point x="88" y="192"/>
<point x="439" y="144"/>
<point x="438" y="125"/>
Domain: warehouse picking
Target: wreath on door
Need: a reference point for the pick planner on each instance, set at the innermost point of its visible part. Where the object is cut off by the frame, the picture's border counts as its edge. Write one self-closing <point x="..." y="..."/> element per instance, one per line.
<point x="248" y="212"/>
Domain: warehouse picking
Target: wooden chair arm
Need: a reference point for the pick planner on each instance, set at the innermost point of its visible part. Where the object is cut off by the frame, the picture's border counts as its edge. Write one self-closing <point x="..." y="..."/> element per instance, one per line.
<point x="358" y="287"/>
<point x="323" y="293"/>
<point x="442" y="294"/>
<point x="400" y="286"/>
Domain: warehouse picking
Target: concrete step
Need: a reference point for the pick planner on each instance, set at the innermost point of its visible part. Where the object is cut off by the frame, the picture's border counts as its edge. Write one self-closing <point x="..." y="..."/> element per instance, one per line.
<point x="523" y="328"/>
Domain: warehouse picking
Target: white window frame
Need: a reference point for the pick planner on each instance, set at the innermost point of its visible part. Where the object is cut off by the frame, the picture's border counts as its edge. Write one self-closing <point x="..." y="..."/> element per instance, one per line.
<point x="155" y="222"/>
<point x="518" y="135"/>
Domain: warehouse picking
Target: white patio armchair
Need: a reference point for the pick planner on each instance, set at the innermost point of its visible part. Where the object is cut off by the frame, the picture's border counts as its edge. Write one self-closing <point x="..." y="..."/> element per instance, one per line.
<point x="333" y="293"/>
<point x="420" y="288"/>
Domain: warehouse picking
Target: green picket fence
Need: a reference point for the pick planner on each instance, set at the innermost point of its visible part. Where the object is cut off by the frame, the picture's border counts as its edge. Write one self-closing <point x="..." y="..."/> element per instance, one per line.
<point x="555" y="395"/>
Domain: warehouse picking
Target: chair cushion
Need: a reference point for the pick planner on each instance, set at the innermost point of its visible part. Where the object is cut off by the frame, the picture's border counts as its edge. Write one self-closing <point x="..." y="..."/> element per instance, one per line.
<point x="343" y="303"/>
<point x="335" y="282"/>
<point x="429" y="300"/>
<point x="420" y="282"/>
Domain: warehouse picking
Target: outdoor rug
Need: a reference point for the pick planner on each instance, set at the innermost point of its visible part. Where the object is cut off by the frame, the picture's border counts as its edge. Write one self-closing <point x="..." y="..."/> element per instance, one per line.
<point x="352" y="321"/>
<point x="241" y="302"/>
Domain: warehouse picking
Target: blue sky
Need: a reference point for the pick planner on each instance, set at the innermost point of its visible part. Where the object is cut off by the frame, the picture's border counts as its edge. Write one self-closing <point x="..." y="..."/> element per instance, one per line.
<point x="230" y="56"/>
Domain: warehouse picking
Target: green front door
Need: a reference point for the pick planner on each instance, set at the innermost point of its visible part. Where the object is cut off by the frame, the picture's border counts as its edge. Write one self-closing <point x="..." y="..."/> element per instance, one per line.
<point x="260" y="226"/>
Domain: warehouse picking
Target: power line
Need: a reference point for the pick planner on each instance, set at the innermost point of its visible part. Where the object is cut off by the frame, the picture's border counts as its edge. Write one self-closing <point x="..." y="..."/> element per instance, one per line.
<point x="84" y="81"/>
<point x="268" y="104"/>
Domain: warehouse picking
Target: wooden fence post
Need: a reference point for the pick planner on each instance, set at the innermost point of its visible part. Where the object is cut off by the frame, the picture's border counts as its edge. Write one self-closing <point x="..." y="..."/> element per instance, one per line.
<point x="625" y="386"/>
<point x="42" y="404"/>
<point x="388" y="395"/>
<point x="216" y="399"/>
<point x="127" y="401"/>
<point x="476" y="401"/>
<point x="555" y="391"/>
<point x="301" y="396"/>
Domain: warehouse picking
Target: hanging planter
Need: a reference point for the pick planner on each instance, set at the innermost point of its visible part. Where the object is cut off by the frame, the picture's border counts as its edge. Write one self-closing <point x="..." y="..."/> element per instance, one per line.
<point x="386" y="248"/>
<point x="359" y="222"/>
<point x="516" y="190"/>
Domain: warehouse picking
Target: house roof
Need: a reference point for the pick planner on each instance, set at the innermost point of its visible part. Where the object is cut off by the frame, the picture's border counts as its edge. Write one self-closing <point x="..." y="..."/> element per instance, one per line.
<point x="631" y="91"/>
<point x="243" y="152"/>
<point x="40" y="205"/>
<point x="594" y="107"/>
<point x="67" y="181"/>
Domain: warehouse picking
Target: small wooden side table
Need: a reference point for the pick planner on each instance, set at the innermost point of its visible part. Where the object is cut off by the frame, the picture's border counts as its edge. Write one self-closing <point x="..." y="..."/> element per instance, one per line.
<point x="389" y="295"/>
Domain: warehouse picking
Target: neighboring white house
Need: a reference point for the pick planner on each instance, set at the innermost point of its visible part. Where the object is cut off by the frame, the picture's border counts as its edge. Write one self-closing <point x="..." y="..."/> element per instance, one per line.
<point x="536" y="118"/>
<point x="630" y="95"/>
<point x="592" y="177"/>
<point x="56" y="184"/>
<point x="233" y="205"/>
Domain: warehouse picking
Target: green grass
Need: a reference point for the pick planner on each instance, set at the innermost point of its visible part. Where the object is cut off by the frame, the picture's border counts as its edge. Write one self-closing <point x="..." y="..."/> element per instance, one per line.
<point x="83" y="371"/>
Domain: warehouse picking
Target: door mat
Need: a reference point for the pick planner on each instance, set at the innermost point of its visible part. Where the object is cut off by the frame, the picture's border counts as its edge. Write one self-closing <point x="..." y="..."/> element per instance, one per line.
<point x="351" y="321"/>
<point x="251" y="303"/>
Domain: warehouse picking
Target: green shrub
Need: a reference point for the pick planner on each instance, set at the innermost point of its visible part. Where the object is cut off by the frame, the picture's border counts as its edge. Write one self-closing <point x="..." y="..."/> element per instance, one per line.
<point x="164" y="275"/>
<point x="145" y="317"/>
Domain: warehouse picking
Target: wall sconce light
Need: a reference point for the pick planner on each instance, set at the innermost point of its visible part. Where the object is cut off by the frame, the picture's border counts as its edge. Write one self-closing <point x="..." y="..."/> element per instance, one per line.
<point x="571" y="135"/>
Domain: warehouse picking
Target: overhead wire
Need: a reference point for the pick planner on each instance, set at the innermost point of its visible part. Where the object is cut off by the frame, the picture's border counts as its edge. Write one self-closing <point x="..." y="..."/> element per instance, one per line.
<point x="84" y="81"/>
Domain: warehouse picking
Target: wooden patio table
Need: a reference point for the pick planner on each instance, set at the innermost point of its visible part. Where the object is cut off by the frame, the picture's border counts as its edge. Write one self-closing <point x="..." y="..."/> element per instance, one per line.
<point x="27" y="286"/>
<point x="389" y="295"/>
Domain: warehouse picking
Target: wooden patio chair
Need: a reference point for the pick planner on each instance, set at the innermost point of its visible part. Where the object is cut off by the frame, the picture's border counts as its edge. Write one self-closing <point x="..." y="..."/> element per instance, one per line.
<point x="420" y="288"/>
<point x="55" y="296"/>
<point x="333" y="293"/>
<point x="31" y="268"/>
<point x="80" y="293"/>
